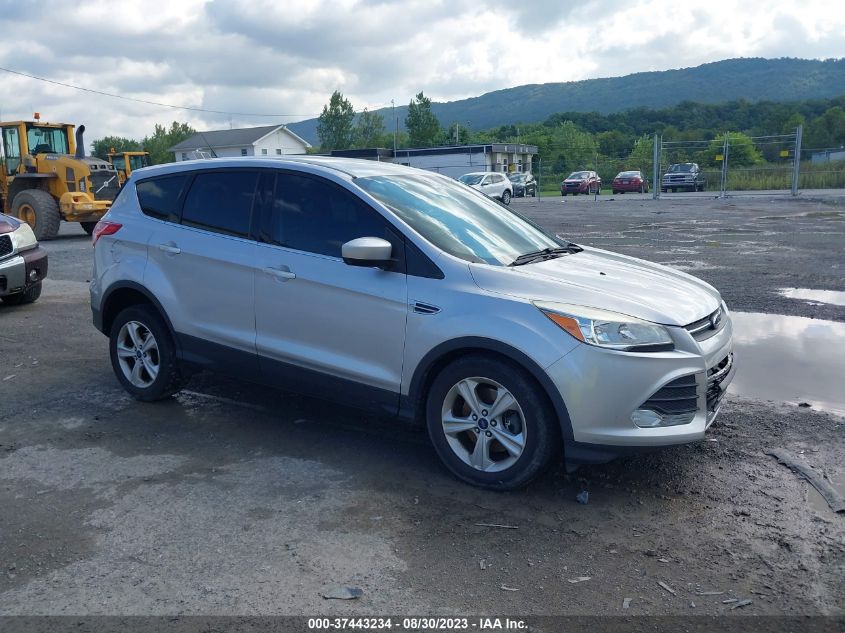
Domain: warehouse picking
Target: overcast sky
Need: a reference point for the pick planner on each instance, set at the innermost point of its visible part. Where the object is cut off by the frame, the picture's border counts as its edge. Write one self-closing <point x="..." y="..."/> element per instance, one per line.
<point x="287" y="56"/>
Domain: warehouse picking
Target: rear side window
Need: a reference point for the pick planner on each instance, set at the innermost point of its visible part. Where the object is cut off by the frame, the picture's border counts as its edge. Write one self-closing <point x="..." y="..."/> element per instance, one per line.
<point x="161" y="197"/>
<point x="221" y="201"/>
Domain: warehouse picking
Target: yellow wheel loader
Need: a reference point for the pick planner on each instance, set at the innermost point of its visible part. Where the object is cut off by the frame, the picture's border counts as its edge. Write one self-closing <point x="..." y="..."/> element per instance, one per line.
<point x="45" y="177"/>
<point x="125" y="162"/>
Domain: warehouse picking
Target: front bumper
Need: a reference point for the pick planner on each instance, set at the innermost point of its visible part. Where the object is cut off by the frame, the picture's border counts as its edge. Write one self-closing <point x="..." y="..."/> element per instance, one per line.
<point x="19" y="272"/>
<point x="602" y="388"/>
<point x="78" y="206"/>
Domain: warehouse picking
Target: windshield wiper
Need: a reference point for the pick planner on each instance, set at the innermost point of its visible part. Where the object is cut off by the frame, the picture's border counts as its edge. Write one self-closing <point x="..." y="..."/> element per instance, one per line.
<point x="546" y="253"/>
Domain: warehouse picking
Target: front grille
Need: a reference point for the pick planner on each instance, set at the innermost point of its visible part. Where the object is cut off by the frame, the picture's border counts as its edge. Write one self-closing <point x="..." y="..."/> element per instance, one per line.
<point x="708" y="326"/>
<point x="5" y="245"/>
<point x="677" y="397"/>
<point x="715" y="377"/>
<point x="104" y="184"/>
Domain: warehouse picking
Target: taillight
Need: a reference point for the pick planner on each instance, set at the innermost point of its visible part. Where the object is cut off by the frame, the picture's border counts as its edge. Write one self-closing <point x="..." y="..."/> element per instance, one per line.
<point x="104" y="227"/>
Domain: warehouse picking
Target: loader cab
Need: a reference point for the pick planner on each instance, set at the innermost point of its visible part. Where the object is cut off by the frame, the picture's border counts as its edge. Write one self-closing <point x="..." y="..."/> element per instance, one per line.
<point x="126" y="162"/>
<point x="31" y="138"/>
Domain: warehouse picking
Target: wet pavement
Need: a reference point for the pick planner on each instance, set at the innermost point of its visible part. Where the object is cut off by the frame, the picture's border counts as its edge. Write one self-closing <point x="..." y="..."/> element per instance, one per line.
<point x="236" y="499"/>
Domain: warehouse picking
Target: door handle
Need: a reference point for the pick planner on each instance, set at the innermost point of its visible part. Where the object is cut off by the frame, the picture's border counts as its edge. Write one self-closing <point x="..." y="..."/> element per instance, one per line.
<point x="282" y="273"/>
<point x="169" y="248"/>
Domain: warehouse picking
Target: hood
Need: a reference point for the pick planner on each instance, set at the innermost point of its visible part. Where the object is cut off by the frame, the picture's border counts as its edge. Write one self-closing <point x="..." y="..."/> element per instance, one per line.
<point x="609" y="281"/>
<point x="8" y="224"/>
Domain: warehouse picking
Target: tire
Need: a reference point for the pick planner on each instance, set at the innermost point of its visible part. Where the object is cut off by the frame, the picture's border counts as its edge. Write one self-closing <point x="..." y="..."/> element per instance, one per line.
<point x="30" y="295"/>
<point x="34" y="205"/>
<point x="88" y="227"/>
<point x="531" y="431"/>
<point x="506" y="197"/>
<point x="131" y="332"/>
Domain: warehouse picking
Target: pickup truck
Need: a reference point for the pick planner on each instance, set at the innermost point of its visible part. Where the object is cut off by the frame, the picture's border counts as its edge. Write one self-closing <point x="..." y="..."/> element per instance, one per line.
<point x="23" y="263"/>
<point x="686" y="176"/>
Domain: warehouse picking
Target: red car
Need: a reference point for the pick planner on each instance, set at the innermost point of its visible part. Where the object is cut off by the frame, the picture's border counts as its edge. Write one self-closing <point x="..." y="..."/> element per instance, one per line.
<point x="581" y="182"/>
<point x="630" y="181"/>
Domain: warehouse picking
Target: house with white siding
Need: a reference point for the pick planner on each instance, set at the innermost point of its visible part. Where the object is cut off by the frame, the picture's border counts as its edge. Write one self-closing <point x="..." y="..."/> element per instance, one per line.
<point x="269" y="140"/>
<point x="456" y="160"/>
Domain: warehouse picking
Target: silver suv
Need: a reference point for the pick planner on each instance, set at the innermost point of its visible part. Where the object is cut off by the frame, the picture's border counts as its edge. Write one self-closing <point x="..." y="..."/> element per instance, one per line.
<point x="407" y="293"/>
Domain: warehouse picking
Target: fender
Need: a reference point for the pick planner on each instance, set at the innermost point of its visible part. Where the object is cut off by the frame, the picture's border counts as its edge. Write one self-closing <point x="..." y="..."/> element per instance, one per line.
<point x="99" y="316"/>
<point x="412" y="403"/>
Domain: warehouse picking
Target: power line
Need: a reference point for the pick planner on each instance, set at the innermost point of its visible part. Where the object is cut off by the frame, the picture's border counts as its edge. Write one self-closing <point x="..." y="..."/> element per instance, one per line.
<point x="153" y="103"/>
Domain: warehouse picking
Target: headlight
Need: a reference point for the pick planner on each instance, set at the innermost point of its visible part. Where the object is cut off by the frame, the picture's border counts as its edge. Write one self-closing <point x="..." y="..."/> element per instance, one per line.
<point x="23" y="238"/>
<point x="607" y="329"/>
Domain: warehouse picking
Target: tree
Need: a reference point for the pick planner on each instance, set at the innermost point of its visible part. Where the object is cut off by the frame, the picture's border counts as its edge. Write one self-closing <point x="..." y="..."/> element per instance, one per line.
<point x="423" y="127"/>
<point x="369" y="131"/>
<point x="162" y="139"/>
<point x="642" y="156"/>
<point x="103" y="146"/>
<point x="572" y="147"/>
<point x="335" y="124"/>
<point x="828" y="130"/>
<point x="741" y="151"/>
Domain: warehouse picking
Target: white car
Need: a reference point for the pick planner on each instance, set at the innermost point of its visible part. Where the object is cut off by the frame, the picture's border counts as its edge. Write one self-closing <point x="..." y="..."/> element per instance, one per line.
<point x="491" y="183"/>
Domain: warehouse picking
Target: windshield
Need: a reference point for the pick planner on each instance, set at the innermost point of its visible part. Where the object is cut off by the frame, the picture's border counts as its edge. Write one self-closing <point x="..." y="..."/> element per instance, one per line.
<point x="46" y="140"/>
<point x="119" y="162"/>
<point x="578" y="175"/>
<point x="680" y="167"/>
<point x="471" y="179"/>
<point x="136" y="162"/>
<point x="463" y="223"/>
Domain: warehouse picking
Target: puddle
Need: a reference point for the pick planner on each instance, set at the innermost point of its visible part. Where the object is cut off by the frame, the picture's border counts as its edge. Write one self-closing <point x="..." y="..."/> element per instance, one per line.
<point x="790" y="359"/>
<point x="835" y="297"/>
<point x="815" y="498"/>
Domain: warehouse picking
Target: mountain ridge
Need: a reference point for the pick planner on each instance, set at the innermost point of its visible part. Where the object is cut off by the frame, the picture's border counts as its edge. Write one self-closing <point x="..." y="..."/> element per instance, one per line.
<point x="753" y="78"/>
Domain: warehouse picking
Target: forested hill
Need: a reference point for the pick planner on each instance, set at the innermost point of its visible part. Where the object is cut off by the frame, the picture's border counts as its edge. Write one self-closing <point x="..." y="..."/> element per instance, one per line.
<point x="753" y="79"/>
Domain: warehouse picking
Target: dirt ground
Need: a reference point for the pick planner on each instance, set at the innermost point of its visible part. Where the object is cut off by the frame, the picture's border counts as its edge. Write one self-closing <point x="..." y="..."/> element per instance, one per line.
<point x="234" y="499"/>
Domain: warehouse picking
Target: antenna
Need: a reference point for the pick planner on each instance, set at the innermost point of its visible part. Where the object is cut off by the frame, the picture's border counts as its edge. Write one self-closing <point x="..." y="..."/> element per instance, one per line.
<point x="210" y="148"/>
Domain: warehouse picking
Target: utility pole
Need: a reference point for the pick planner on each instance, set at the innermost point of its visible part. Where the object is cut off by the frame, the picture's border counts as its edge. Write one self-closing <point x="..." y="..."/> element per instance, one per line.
<point x="655" y="167"/>
<point x="395" y="131"/>
<point x="457" y="141"/>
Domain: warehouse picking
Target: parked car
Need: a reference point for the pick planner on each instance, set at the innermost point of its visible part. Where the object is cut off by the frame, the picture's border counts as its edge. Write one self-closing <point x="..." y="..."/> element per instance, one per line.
<point x="493" y="184"/>
<point x="581" y="182"/>
<point x="23" y="263"/>
<point x="629" y="181"/>
<point x="523" y="185"/>
<point x="403" y="292"/>
<point x="685" y="176"/>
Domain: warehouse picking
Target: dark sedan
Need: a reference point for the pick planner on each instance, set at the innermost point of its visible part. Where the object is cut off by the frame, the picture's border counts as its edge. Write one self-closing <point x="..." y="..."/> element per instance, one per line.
<point x="523" y="185"/>
<point x="581" y="182"/>
<point x="630" y="181"/>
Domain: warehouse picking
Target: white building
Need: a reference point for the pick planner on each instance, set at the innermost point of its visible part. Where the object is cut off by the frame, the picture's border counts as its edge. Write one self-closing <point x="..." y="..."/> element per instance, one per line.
<point x="270" y="140"/>
<point x="455" y="160"/>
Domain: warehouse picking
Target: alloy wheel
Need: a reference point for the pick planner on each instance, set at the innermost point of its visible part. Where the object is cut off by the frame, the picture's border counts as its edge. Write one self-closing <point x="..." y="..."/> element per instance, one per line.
<point x="138" y="354"/>
<point x="484" y="425"/>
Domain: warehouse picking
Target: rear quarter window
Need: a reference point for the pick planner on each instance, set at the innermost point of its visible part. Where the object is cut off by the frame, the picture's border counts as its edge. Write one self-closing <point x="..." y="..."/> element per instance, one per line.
<point x="161" y="197"/>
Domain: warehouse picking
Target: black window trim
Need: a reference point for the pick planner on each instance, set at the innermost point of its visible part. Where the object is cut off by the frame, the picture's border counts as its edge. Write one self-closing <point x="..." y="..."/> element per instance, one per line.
<point x="209" y="229"/>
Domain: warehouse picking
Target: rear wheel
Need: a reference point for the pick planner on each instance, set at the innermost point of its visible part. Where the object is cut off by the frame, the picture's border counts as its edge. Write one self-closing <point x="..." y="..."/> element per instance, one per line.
<point x="143" y="355"/>
<point x="40" y="210"/>
<point x="29" y="295"/>
<point x="490" y="423"/>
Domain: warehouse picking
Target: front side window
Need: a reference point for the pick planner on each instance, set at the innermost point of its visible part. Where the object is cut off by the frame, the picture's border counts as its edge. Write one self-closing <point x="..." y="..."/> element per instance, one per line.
<point x="161" y="197"/>
<point x="49" y="140"/>
<point x="456" y="220"/>
<point x="316" y="216"/>
<point x="221" y="201"/>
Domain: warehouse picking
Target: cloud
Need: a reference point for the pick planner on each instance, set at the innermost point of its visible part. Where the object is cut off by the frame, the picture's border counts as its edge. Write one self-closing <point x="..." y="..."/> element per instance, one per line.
<point x="287" y="58"/>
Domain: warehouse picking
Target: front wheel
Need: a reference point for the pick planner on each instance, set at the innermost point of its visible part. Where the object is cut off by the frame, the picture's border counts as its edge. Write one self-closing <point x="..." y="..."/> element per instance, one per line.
<point x="143" y="355"/>
<point x="40" y="210"/>
<point x="490" y="423"/>
<point x="506" y="197"/>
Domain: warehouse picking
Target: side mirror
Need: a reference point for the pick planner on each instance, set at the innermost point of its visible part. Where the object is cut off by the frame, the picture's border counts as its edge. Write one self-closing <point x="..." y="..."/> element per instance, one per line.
<point x="367" y="251"/>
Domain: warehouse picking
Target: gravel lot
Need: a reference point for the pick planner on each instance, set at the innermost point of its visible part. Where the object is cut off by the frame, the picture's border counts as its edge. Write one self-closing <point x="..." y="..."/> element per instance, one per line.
<point x="234" y="499"/>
